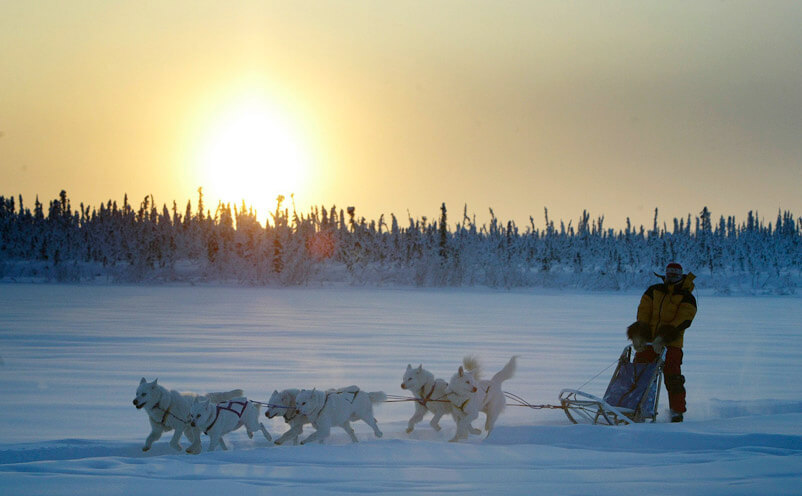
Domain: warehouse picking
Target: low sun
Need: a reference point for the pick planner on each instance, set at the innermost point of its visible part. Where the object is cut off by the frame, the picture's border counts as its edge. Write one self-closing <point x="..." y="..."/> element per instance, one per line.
<point x="252" y="153"/>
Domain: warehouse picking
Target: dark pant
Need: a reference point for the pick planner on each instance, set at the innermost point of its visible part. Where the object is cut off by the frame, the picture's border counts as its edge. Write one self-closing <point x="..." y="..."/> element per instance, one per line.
<point x="672" y="375"/>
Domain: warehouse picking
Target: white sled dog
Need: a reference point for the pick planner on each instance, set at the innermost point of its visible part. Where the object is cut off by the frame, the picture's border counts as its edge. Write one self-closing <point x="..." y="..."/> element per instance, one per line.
<point x="430" y="396"/>
<point x="469" y="396"/>
<point x="283" y="403"/>
<point x="325" y="409"/>
<point x="168" y="410"/>
<point x="217" y="419"/>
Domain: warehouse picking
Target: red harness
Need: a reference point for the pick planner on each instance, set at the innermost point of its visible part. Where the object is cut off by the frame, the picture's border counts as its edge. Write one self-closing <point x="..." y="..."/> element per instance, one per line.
<point x="236" y="407"/>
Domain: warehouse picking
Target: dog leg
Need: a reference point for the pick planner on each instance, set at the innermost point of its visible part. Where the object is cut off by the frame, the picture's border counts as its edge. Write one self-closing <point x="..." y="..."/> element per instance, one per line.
<point x="489" y="423"/>
<point x="297" y="430"/>
<point x="310" y="438"/>
<point x="213" y="440"/>
<point x="461" y="429"/>
<point x="471" y="429"/>
<point x="458" y="435"/>
<point x="320" y="434"/>
<point x="193" y="434"/>
<point x="265" y="433"/>
<point x="372" y="422"/>
<point x="174" y="441"/>
<point x="293" y="434"/>
<point x="464" y="426"/>
<point x="420" y="411"/>
<point x="252" y="423"/>
<point x="350" y="431"/>
<point x="223" y="443"/>
<point x="435" y="422"/>
<point x="155" y="434"/>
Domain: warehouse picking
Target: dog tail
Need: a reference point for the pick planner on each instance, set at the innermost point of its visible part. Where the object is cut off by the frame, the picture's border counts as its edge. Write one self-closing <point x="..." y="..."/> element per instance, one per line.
<point x="377" y="396"/>
<point x="471" y="364"/>
<point x="505" y="373"/>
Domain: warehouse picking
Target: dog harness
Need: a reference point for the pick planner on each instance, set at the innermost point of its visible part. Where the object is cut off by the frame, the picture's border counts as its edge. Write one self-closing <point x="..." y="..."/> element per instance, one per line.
<point x="289" y="414"/>
<point x="462" y="406"/>
<point x="236" y="407"/>
<point x="164" y="418"/>
<point x="327" y="400"/>
<point x="423" y="399"/>
<point x="167" y="413"/>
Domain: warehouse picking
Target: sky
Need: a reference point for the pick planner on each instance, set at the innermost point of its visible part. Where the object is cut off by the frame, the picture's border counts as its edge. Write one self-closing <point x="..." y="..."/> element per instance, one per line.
<point x="612" y="107"/>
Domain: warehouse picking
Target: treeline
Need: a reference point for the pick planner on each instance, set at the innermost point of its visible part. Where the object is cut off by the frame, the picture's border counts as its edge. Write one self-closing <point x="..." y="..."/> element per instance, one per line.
<point x="126" y="243"/>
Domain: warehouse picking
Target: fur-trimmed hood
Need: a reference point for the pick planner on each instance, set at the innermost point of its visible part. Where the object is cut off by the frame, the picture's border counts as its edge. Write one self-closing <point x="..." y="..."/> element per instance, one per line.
<point x="685" y="283"/>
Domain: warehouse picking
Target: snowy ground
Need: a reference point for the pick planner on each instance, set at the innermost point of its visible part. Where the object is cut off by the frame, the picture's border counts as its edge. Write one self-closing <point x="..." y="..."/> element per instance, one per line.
<point x="72" y="356"/>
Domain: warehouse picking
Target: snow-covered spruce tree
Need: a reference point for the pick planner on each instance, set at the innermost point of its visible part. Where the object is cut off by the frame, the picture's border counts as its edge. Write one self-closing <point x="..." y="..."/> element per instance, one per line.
<point x="298" y="266"/>
<point x="143" y="244"/>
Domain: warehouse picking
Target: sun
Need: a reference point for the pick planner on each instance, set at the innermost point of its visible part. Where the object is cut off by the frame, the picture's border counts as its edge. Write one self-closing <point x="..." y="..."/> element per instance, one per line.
<point x="252" y="153"/>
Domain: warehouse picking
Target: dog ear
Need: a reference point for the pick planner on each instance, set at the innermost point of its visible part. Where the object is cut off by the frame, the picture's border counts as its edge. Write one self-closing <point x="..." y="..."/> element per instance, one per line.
<point x="420" y="367"/>
<point x="409" y="366"/>
<point x="143" y="381"/>
<point x="155" y="381"/>
<point x="461" y="372"/>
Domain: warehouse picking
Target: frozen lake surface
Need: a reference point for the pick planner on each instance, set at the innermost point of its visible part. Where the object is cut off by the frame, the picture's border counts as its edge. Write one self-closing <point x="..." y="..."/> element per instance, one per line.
<point x="72" y="356"/>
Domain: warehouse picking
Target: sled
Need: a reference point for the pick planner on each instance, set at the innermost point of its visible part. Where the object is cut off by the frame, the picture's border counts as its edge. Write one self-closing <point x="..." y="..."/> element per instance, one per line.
<point x="631" y="396"/>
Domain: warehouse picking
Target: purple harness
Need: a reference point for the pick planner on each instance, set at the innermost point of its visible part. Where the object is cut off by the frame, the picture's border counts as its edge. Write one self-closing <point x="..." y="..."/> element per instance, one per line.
<point x="236" y="407"/>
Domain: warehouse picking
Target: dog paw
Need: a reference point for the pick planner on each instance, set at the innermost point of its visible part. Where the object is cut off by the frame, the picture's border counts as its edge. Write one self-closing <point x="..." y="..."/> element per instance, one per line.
<point x="410" y="429"/>
<point x="437" y="428"/>
<point x="145" y="448"/>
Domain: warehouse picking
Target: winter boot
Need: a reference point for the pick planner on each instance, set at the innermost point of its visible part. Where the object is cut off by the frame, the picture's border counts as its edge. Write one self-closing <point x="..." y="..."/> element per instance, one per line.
<point x="676" y="417"/>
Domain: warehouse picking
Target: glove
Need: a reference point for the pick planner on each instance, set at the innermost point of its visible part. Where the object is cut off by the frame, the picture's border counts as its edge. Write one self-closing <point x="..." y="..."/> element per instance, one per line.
<point x="658" y="345"/>
<point x="638" y="343"/>
<point x="639" y="333"/>
<point x="668" y="332"/>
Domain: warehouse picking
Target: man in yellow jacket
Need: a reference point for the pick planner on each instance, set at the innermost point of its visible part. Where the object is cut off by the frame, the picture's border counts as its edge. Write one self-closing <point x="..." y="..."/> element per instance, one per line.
<point x="664" y="312"/>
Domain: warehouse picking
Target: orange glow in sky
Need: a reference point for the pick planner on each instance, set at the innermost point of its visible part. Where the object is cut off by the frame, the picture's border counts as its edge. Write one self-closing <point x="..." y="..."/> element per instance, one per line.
<point x="617" y="108"/>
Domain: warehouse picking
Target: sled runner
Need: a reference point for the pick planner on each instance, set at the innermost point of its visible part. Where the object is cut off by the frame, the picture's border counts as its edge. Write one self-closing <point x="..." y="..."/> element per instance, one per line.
<point x="631" y="396"/>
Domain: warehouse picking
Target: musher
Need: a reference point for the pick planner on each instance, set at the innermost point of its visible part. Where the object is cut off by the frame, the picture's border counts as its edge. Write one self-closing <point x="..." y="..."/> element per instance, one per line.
<point x="665" y="311"/>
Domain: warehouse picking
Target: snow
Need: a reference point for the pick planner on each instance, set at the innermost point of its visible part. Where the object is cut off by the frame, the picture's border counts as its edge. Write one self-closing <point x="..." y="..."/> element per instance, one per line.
<point x="71" y="357"/>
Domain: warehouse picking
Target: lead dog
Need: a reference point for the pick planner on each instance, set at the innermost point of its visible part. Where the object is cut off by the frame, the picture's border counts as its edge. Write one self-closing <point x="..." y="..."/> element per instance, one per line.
<point x="430" y="396"/>
<point x="217" y="419"/>
<point x="325" y="409"/>
<point x="283" y="403"/>
<point x="469" y="396"/>
<point x="168" y="410"/>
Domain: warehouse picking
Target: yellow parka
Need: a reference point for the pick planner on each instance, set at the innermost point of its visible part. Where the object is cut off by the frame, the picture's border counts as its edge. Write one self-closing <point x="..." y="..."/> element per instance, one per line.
<point x="669" y="304"/>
